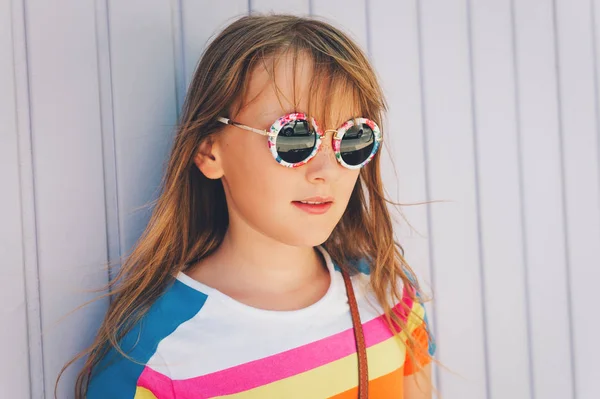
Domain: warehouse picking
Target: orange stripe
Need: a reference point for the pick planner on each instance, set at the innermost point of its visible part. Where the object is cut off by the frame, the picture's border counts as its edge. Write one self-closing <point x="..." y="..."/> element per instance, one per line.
<point x="420" y="351"/>
<point x="387" y="386"/>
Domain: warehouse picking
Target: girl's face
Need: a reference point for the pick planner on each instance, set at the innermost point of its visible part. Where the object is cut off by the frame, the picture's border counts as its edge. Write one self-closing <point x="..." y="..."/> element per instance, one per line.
<point x="264" y="196"/>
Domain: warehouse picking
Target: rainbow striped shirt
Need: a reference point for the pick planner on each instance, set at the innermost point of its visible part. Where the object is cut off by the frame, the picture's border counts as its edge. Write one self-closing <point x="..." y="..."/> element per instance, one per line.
<point x="196" y="342"/>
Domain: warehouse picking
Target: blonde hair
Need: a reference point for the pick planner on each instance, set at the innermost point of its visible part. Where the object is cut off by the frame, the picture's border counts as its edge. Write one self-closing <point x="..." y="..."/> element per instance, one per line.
<point x="190" y="217"/>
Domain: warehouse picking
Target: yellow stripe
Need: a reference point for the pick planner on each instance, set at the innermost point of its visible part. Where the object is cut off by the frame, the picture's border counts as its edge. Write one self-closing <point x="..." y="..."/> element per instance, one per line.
<point x="143" y="393"/>
<point x="332" y="378"/>
<point x="415" y="319"/>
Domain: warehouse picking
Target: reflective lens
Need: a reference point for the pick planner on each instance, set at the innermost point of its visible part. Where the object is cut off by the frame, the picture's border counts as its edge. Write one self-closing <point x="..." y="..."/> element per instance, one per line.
<point x="357" y="144"/>
<point x="296" y="141"/>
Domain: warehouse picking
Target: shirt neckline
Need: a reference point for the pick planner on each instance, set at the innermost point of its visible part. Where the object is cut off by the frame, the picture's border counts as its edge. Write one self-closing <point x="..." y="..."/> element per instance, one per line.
<point x="251" y="310"/>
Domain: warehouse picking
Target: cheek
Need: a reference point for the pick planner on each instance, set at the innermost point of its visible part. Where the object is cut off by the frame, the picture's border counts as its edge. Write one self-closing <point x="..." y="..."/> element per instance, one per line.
<point x="255" y="181"/>
<point x="348" y="180"/>
<point x="244" y="153"/>
<point x="344" y="189"/>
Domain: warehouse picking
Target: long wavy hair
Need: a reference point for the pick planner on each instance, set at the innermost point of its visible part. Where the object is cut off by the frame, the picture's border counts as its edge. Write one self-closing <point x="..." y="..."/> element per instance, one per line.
<point x="190" y="216"/>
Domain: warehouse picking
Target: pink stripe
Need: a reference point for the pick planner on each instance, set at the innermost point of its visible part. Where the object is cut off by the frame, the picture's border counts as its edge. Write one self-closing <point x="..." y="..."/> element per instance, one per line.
<point x="160" y="385"/>
<point x="285" y="364"/>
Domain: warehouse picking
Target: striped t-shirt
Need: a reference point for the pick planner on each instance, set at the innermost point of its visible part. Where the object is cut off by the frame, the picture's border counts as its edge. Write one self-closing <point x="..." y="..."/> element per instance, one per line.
<point x="196" y="342"/>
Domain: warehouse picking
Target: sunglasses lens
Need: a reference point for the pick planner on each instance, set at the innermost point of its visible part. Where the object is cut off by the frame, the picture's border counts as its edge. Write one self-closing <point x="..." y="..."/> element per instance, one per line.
<point x="296" y="141"/>
<point x="357" y="144"/>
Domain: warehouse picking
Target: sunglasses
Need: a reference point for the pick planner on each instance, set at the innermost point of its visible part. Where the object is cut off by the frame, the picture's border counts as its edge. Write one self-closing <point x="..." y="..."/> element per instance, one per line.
<point x="295" y="139"/>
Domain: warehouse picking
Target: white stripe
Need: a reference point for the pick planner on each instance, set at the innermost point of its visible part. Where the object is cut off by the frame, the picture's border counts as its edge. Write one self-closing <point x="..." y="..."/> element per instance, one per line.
<point x="226" y="333"/>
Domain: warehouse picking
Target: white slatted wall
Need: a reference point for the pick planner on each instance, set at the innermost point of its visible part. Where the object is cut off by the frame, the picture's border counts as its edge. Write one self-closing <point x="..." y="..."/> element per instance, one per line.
<point x="495" y="112"/>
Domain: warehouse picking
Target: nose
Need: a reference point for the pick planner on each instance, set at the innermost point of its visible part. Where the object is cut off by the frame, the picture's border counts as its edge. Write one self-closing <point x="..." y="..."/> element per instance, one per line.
<point x="324" y="167"/>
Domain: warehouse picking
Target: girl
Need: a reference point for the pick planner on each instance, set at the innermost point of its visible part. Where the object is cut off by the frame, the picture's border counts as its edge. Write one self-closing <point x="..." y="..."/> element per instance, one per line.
<point x="268" y="268"/>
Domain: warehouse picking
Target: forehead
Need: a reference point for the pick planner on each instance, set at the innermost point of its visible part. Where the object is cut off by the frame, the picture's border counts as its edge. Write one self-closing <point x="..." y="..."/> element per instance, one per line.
<point x="293" y="82"/>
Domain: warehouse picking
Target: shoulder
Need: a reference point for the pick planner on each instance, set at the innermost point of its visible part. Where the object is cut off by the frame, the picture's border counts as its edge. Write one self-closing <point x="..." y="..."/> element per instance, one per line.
<point x="416" y="331"/>
<point x="126" y="377"/>
<point x="410" y="307"/>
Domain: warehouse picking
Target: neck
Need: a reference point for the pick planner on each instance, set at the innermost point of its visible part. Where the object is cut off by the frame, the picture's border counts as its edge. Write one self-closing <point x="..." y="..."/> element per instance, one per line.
<point x="247" y="258"/>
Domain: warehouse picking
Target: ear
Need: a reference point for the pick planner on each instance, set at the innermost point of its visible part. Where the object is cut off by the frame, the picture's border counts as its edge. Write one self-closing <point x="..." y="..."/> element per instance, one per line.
<point x="208" y="158"/>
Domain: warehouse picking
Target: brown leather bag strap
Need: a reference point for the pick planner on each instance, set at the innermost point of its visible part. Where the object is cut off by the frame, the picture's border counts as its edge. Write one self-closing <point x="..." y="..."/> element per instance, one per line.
<point x="363" y="372"/>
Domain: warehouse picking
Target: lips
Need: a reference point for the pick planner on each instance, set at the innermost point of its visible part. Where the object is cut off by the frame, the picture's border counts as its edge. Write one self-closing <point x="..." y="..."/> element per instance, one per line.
<point x="316" y="200"/>
<point x="314" y="205"/>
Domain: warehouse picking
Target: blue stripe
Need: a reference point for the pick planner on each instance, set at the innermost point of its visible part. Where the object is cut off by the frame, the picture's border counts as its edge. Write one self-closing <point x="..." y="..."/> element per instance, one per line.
<point x="116" y="376"/>
<point x="431" y="344"/>
<point x="362" y="265"/>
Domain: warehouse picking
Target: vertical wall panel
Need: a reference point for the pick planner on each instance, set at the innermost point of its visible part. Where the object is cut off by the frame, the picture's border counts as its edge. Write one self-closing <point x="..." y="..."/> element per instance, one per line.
<point x="113" y="234"/>
<point x="145" y="108"/>
<point x="395" y="54"/>
<point x="580" y="159"/>
<point x="14" y="370"/>
<point x="544" y="208"/>
<point x="349" y="15"/>
<point x="298" y="7"/>
<point x="68" y="170"/>
<point x="196" y="36"/>
<point x="27" y="198"/>
<point x="451" y="177"/>
<point x="500" y="197"/>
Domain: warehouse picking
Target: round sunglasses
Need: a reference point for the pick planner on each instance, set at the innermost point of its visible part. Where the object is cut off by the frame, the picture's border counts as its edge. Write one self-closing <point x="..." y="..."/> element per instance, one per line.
<point x="294" y="139"/>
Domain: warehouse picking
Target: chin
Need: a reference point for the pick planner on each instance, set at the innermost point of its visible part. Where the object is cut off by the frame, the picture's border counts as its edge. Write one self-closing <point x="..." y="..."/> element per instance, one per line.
<point x="306" y="237"/>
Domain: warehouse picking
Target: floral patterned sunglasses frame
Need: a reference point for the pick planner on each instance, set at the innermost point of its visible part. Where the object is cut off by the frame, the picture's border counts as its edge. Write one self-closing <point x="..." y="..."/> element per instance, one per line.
<point x="340" y="148"/>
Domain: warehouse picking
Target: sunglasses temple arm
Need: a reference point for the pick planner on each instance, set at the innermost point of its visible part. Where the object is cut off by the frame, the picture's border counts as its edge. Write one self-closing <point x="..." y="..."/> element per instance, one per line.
<point x="232" y="123"/>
